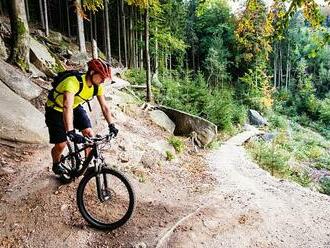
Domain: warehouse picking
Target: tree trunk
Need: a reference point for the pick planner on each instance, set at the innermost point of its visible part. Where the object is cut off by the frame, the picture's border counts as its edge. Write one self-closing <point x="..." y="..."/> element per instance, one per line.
<point x="81" y="32"/>
<point x="27" y="10"/>
<point x="42" y="14"/>
<point x="130" y="37"/>
<point x="59" y="4"/>
<point x="123" y="22"/>
<point x="156" y="53"/>
<point x="20" y="51"/>
<point x="67" y="8"/>
<point x="281" y="68"/>
<point x="193" y="59"/>
<point x="134" y="39"/>
<point x="287" y="69"/>
<point x="170" y="63"/>
<point x="46" y="18"/>
<point x="107" y="29"/>
<point x="118" y="31"/>
<point x="275" y="65"/>
<point x="141" y="42"/>
<point x="93" y="38"/>
<point x="148" y="71"/>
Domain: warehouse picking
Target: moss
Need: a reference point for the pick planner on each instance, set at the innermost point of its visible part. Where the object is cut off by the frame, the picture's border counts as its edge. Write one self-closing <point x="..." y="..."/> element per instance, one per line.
<point x="20" y="28"/>
<point x="58" y="65"/>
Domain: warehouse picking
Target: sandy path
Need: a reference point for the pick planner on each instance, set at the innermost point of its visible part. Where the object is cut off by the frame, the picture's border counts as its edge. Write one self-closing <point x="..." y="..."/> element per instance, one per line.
<point x="250" y="208"/>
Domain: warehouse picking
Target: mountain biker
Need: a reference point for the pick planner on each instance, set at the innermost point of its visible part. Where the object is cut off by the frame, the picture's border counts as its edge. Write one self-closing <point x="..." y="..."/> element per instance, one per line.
<point x="64" y="111"/>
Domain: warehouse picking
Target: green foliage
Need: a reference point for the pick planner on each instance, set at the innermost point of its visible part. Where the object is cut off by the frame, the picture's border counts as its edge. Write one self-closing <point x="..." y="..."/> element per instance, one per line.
<point x="325" y="111"/>
<point x="325" y="185"/>
<point x="300" y="177"/>
<point x="169" y="156"/>
<point x="217" y="104"/>
<point x="278" y="122"/>
<point x="135" y="76"/>
<point x="271" y="157"/>
<point x="177" y="143"/>
<point x="93" y="5"/>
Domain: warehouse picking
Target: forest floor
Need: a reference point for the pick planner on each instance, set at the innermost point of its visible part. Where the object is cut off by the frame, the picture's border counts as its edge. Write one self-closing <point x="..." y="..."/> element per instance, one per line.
<point x="203" y="198"/>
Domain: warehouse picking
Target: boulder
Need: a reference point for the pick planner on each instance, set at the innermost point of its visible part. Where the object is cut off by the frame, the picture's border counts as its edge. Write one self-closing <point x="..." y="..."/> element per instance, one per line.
<point x="19" y="119"/>
<point x="3" y="49"/>
<point x="55" y="37"/>
<point x="186" y="124"/>
<point x="256" y="119"/>
<point x="161" y="146"/>
<point x="268" y="137"/>
<point x="80" y="58"/>
<point x="41" y="58"/>
<point x="35" y="72"/>
<point x="162" y="120"/>
<point x="18" y="82"/>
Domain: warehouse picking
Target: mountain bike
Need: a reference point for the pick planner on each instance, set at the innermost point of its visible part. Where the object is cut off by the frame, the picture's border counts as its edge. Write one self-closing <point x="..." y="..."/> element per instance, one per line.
<point x="105" y="196"/>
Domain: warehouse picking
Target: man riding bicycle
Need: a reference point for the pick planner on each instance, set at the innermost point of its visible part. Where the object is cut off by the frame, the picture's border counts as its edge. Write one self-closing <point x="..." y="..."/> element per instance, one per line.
<point x="64" y="112"/>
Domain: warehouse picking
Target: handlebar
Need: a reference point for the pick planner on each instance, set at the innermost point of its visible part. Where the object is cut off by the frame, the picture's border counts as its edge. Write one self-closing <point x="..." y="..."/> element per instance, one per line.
<point x="98" y="139"/>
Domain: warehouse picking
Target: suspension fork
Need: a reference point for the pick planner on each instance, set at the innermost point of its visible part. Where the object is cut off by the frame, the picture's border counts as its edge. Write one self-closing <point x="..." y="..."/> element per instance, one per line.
<point x="101" y="178"/>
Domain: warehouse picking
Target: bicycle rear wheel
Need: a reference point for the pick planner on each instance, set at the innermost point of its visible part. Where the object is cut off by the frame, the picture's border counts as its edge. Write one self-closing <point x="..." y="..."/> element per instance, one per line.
<point x="114" y="207"/>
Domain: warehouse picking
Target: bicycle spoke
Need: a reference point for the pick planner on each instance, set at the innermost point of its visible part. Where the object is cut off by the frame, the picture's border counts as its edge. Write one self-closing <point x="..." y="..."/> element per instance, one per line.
<point x="115" y="196"/>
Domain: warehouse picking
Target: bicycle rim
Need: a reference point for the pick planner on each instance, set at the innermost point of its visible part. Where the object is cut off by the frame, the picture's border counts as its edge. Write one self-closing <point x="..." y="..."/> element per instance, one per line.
<point x="117" y="205"/>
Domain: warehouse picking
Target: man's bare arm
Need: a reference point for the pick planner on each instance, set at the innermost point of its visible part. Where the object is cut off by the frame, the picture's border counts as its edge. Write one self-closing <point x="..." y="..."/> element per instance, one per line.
<point x="68" y="99"/>
<point x="105" y="108"/>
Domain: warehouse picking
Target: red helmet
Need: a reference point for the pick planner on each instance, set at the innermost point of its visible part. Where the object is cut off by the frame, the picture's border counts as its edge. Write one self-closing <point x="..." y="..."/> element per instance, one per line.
<point x="98" y="66"/>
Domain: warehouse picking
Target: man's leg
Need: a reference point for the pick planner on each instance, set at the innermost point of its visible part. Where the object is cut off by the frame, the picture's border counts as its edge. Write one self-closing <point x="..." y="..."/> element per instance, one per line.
<point x="57" y="151"/>
<point x="88" y="132"/>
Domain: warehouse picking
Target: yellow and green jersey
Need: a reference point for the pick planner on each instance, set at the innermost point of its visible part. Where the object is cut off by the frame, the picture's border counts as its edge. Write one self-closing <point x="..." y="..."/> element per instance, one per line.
<point x="71" y="84"/>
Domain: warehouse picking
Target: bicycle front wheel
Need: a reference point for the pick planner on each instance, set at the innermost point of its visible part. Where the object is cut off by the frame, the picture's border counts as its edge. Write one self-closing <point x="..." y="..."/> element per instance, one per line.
<point x="106" y="200"/>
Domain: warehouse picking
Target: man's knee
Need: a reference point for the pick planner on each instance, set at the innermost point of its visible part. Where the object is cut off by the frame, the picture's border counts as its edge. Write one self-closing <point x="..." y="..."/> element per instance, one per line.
<point x="60" y="146"/>
<point x="88" y="132"/>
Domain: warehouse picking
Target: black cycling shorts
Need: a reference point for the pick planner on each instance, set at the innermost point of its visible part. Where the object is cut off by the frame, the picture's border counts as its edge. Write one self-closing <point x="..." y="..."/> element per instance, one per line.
<point x="55" y="123"/>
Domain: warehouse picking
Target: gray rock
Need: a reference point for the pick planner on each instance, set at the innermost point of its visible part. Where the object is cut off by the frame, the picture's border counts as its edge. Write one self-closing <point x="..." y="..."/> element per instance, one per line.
<point x="269" y="136"/>
<point x="162" y="120"/>
<point x="256" y="119"/>
<point x="248" y="127"/>
<point x="35" y="72"/>
<point x="19" y="119"/>
<point x="41" y="58"/>
<point x="155" y="81"/>
<point x="161" y="146"/>
<point x="80" y="58"/>
<point x="18" y="82"/>
<point x="55" y="37"/>
<point x="186" y="124"/>
<point x="3" y="49"/>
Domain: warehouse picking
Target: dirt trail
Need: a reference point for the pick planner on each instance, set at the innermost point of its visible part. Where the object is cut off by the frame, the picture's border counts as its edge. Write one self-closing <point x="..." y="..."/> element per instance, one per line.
<point x="250" y="208"/>
<point x="180" y="204"/>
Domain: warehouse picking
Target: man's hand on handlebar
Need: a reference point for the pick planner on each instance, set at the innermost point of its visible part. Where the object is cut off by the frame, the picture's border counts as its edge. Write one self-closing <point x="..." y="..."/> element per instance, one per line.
<point x="74" y="137"/>
<point x="113" y="131"/>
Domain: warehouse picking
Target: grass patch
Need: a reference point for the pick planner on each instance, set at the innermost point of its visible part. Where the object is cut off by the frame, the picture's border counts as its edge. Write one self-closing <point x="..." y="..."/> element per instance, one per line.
<point x="177" y="143"/>
<point x="294" y="145"/>
<point x="325" y="185"/>
<point x="169" y="156"/>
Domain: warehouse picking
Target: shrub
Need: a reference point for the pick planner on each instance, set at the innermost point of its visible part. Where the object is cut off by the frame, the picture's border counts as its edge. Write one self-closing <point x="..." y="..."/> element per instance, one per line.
<point x="177" y="143"/>
<point x="271" y="157"/>
<point x="135" y="76"/>
<point x="325" y="185"/>
<point x="301" y="177"/>
<point x="277" y="122"/>
<point x="325" y="110"/>
<point x="169" y="156"/>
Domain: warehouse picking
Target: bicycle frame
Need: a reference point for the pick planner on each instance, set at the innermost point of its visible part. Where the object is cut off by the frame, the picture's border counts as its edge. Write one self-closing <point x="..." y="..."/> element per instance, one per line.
<point x="94" y="153"/>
